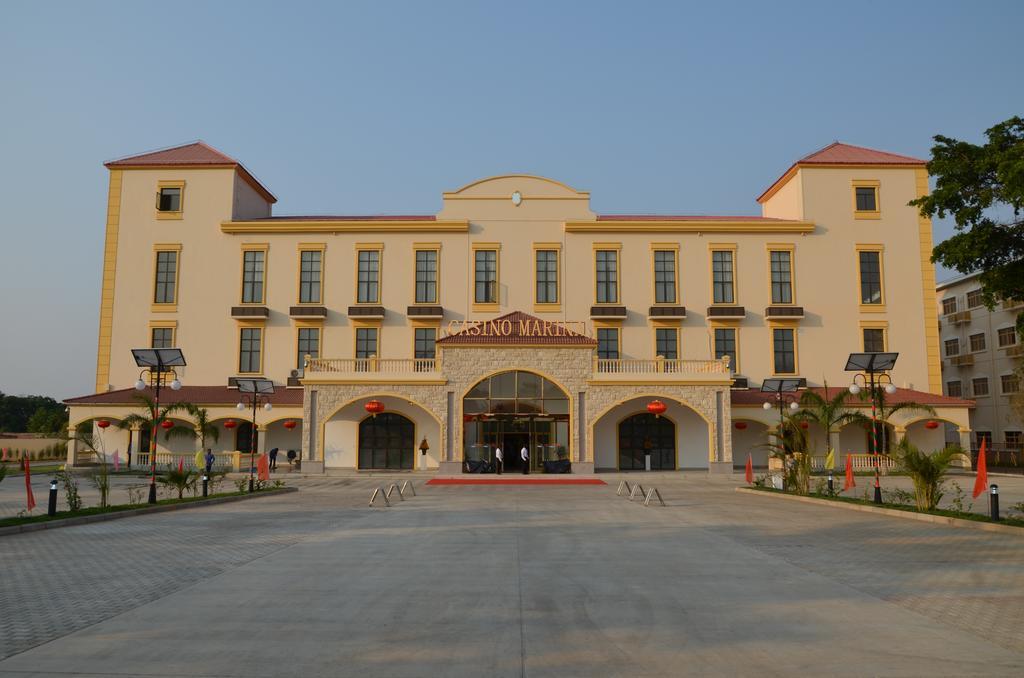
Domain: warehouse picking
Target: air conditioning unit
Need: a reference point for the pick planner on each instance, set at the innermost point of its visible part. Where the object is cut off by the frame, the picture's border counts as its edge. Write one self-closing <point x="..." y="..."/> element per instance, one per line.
<point x="1015" y="351"/>
<point x="963" y="360"/>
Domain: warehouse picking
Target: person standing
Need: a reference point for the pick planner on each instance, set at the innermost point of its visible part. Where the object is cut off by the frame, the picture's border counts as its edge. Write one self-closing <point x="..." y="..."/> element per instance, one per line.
<point x="525" y="454"/>
<point x="499" y="460"/>
<point x="273" y="459"/>
<point x="209" y="461"/>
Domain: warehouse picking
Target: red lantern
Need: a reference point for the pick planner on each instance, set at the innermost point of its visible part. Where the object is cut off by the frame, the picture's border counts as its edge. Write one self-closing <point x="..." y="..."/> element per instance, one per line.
<point x="290" y="424"/>
<point x="804" y="425"/>
<point x="741" y="425"/>
<point x="167" y="424"/>
<point x="230" y="424"/>
<point x="656" y="407"/>
<point x="932" y="425"/>
<point x="103" y="423"/>
<point x="374" y="407"/>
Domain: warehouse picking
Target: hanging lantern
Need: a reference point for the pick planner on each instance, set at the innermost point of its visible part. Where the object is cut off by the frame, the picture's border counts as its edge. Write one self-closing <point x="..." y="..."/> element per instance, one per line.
<point x="932" y="425"/>
<point x="167" y="424"/>
<point x="741" y="425"/>
<point x="804" y="425"/>
<point x="374" y="407"/>
<point x="103" y="423"/>
<point x="230" y="424"/>
<point x="656" y="407"/>
<point x="290" y="424"/>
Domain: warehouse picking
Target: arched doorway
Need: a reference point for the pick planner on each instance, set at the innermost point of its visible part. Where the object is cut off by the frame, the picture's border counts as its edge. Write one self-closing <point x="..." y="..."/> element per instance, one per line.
<point x="644" y="434"/>
<point x="513" y="410"/>
<point x="387" y="441"/>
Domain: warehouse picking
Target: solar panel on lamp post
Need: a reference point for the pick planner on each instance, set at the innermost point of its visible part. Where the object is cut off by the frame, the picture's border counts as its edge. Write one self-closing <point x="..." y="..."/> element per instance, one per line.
<point x="158" y="362"/>
<point x="875" y="363"/>
<point x="782" y="388"/>
<point x="254" y="390"/>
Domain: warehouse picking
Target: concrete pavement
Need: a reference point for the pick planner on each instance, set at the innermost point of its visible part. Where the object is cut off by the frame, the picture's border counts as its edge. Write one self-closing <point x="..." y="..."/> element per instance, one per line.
<point x="513" y="581"/>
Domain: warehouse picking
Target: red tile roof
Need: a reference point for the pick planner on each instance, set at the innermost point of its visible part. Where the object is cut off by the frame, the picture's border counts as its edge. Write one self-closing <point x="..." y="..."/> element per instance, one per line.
<point x="196" y="154"/>
<point x="515" y="336"/>
<point x="197" y="395"/>
<point x="680" y="217"/>
<point x="902" y="395"/>
<point x="838" y="153"/>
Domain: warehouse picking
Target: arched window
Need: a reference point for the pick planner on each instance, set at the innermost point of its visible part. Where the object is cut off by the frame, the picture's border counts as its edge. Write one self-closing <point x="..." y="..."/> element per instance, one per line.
<point x="386" y="442"/>
<point x="643" y="434"/>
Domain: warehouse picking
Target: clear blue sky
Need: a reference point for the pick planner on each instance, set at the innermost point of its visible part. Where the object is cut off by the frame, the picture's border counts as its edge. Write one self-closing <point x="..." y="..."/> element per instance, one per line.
<point x="653" y="107"/>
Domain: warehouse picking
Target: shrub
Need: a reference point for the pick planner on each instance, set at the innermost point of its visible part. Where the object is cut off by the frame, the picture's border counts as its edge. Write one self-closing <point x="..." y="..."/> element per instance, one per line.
<point x="927" y="471"/>
<point x="70" y="484"/>
<point x="179" y="480"/>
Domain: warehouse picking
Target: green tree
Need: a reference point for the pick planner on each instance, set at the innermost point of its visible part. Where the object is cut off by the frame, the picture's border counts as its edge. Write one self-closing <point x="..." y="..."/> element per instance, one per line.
<point x="204" y="428"/>
<point x="830" y="411"/>
<point x="150" y="416"/>
<point x="982" y="188"/>
<point x="47" y="421"/>
<point x="16" y="411"/>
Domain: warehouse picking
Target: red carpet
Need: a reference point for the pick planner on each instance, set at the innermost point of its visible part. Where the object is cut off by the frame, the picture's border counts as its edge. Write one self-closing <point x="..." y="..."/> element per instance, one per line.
<point x="515" y="481"/>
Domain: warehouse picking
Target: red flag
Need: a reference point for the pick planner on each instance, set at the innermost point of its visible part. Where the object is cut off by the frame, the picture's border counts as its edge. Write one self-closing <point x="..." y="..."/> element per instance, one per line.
<point x="30" y="500"/>
<point x="750" y="470"/>
<point x="981" y="480"/>
<point x="263" y="467"/>
<point x="181" y="464"/>
<point x="849" y="482"/>
<point x="5" y="455"/>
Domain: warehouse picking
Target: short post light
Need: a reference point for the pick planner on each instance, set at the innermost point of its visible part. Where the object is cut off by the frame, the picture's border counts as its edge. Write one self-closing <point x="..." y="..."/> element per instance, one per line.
<point x="206" y="481"/>
<point x="993" y="501"/>
<point x="875" y="366"/>
<point x="51" y="508"/>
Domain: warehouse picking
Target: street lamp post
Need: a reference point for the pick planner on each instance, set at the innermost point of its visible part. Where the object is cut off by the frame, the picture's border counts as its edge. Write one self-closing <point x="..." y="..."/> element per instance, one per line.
<point x="253" y="391"/>
<point x="873" y="364"/>
<point x="158" y="362"/>
<point x="784" y="391"/>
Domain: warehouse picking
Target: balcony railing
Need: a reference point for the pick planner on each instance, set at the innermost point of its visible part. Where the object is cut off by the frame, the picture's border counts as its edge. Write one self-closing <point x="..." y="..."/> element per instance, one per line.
<point x="660" y="369"/>
<point x="372" y="369"/>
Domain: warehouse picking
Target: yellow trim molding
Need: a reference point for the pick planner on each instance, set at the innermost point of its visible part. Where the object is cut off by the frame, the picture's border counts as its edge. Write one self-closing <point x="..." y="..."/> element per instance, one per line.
<point x="702" y="226"/>
<point x="346" y="226"/>
<point x="931" y="313"/>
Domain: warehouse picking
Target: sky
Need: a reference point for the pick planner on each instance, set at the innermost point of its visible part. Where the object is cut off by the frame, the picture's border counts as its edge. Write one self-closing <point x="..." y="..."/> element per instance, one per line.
<point x="378" y="107"/>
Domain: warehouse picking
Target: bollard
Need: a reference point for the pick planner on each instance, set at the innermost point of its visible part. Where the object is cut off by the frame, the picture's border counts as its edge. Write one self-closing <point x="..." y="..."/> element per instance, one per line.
<point x="993" y="501"/>
<point x="831" y="484"/>
<point x="206" y="482"/>
<point x="51" y="509"/>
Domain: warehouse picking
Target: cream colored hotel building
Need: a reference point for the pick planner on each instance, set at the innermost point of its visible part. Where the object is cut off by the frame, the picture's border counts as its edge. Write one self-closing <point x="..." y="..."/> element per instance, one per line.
<point x="514" y="316"/>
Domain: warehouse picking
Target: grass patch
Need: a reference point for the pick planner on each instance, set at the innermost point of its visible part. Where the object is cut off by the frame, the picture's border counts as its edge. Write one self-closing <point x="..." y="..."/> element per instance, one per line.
<point x="947" y="513"/>
<point x="96" y="510"/>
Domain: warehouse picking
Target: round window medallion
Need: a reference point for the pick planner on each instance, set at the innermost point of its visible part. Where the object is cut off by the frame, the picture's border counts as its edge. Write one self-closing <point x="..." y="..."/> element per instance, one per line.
<point x="517" y="198"/>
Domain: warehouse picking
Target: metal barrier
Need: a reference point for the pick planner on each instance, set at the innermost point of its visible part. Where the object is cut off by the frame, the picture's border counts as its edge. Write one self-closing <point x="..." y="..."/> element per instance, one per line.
<point x="394" y="487"/>
<point x="638" y="489"/>
<point x="379" y="492"/>
<point x="407" y="486"/>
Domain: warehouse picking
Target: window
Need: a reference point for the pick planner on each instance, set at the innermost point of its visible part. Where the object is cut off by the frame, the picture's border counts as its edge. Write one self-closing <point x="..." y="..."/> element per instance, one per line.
<point x="1007" y="336"/>
<point x="952" y="347"/>
<point x="1010" y="383"/>
<point x="785" y="350"/>
<point x="980" y="386"/>
<point x="547" y="276"/>
<point x="664" y="277"/>
<point x="974" y="299"/>
<point x="782" y="277"/>
<point x="725" y="345"/>
<point x="253" y="262"/>
<point x="608" y="343"/>
<point x="168" y="198"/>
<point x="985" y="436"/>
<point x="1013" y="439"/>
<point x="249" y="350"/>
<point x="368" y="281"/>
<point x="666" y="340"/>
<point x="366" y="342"/>
<point x="486" y="278"/>
<point x="166" y="291"/>
<point x="721" y="277"/>
<point x="977" y="342"/>
<point x="426" y="276"/>
<point x="870" y="277"/>
<point x="162" y="337"/>
<point x="423" y="348"/>
<point x="607" y="263"/>
<point x="954" y="389"/>
<point x="867" y="199"/>
<point x="874" y="340"/>
<point x="949" y="306"/>
<point x="308" y="344"/>
<point x="310" y="269"/>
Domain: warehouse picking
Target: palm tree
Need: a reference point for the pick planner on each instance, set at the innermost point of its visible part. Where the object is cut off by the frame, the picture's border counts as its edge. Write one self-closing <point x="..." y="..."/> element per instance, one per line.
<point x="830" y="411"/>
<point x="152" y="418"/>
<point x="926" y="470"/>
<point x="203" y="429"/>
<point x="885" y="411"/>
